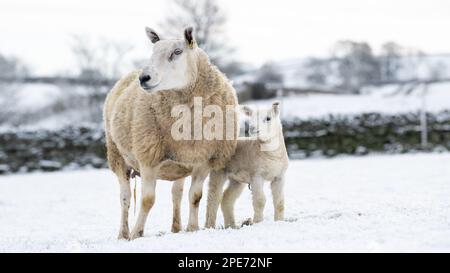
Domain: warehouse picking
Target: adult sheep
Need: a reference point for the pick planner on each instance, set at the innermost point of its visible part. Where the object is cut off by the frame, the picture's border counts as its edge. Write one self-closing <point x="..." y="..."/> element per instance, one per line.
<point x="138" y="123"/>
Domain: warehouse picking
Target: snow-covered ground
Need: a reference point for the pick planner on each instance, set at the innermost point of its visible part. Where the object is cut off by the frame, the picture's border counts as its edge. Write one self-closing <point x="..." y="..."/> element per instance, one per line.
<point x="377" y="203"/>
<point x="379" y="100"/>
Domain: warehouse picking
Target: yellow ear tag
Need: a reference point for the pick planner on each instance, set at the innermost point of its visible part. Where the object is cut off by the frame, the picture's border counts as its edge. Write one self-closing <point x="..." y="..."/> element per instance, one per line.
<point x="191" y="44"/>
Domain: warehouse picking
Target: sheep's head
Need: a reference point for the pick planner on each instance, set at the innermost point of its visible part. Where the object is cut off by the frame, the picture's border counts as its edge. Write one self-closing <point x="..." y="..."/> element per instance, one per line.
<point x="172" y="64"/>
<point x="265" y="124"/>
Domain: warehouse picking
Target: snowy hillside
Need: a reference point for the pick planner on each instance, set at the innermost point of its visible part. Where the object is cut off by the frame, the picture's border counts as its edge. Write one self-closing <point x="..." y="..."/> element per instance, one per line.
<point x="33" y="106"/>
<point x="295" y="71"/>
<point x="379" y="100"/>
<point x="39" y="106"/>
<point x="377" y="203"/>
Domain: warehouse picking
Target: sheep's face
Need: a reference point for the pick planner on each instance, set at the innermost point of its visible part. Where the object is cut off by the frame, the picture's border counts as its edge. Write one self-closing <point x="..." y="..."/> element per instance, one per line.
<point x="172" y="63"/>
<point x="265" y="124"/>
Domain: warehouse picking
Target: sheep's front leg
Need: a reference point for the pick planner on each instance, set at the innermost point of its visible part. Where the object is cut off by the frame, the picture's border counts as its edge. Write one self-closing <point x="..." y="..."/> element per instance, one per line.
<point x="230" y="196"/>
<point x="195" y="195"/>
<point x="177" y="195"/>
<point x="215" y="191"/>
<point x="149" y="176"/>
<point x="125" y="196"/>
<point x="277" y="187"/>
<point x="259" y="200"/>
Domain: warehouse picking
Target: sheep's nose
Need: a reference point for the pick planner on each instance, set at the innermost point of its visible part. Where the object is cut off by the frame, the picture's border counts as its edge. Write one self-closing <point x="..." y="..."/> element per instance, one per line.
<point x="144" y="78"/>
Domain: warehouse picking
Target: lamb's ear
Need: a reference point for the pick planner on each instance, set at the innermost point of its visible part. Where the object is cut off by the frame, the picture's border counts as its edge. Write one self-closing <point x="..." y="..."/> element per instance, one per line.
<point x="189" y="37"/>
<point x="247" y="110"/>
<point x="152" y="35"/>
<point x="276" y="107"/>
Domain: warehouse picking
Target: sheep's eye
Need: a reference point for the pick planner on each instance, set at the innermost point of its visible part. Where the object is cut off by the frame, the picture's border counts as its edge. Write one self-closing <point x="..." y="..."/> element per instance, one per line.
<point x="178" y="51"/>
<point x="268" y="118"/>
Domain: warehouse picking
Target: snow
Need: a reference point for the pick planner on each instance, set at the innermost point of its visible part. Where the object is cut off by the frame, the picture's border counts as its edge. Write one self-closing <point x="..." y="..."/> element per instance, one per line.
<point x="378" y="100"/>
<point x="29" y="99"/>
<point x="35" y="106"/>
<point x="36" y="96"/>
<point x="376" y="203"/>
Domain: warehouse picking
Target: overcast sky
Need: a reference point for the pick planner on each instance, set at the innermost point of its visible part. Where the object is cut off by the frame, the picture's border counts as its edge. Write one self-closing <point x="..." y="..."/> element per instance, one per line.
<point x="39" y="30"/>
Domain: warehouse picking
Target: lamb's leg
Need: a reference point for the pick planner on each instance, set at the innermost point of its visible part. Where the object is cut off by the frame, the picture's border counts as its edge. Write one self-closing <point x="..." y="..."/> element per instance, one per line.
<point x="195" y="195"/>
<point x="125" y="196"/>
<point x="177" y="195"/>
<point x="230" y="196"/>
<point x="259" y="200"/>
<point x="277" y="186"/>
<point x="149" y="176"/>
<point x="215" y="190"/>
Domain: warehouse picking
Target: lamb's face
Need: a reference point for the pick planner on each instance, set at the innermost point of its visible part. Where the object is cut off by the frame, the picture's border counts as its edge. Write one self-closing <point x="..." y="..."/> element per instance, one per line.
<point x="171" y="65"/>
<point x="264" y="124"/>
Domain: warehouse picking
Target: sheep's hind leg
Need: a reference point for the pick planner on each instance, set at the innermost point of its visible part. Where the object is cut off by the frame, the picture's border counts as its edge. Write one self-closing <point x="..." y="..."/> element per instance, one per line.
<point x="118" y="166"/>
<point x="149" y="176"/>
<point x="177" y="195"/>
<point x="230" y="196"/>
<point x="277" y="186"/>
<point x="215" y="191"/>
<point x="195" y="195"/>
<point x="125" y="197"/>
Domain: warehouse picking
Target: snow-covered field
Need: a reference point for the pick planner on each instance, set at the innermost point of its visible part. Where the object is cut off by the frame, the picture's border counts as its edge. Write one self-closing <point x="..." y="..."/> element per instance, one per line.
<point x="376" y="203"/>
<point x="379" y="100"/>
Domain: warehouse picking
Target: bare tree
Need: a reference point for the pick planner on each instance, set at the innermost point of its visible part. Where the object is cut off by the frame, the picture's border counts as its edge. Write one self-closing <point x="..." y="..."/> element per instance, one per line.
<point x="416" y="59"/>
<point x="317" y="71"/>
<point x="86" y="56"/>
<point x="357" y="66"/>
<point x="99" y="59"/>
<point x="208" y="20"/>
<point x="114" y="53"/>
<point x="268" y="74"/>
<point x="390" y="61"/>
<point x="234" y="68"/>
<point x="268" y="81"/>
<point x="12" y="67"/>
<point x="438" y="70"/>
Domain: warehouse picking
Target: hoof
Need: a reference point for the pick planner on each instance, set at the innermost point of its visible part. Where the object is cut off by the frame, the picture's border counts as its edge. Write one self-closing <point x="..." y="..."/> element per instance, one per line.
<point x="231" y="225"/>
<point x="124" y="234"/>
<point x="247" y="222"/>
<point x="257" y="220"/>
<point x="137" y="234"/>
<point x="176" y="228"/>
<point x="192" y="228"/>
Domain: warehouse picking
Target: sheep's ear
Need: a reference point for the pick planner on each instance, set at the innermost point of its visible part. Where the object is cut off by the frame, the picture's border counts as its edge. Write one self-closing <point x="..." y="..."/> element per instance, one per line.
<point x="276" y="107"/>
<point x="152" y="35"/>
<point x="247" y="110"/>
<point x="189" y="37"/>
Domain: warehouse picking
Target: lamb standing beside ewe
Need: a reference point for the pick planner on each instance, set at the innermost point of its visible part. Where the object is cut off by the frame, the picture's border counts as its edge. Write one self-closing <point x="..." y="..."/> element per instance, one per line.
<point x="138" y="121"/>
<point x="254" y="161"/>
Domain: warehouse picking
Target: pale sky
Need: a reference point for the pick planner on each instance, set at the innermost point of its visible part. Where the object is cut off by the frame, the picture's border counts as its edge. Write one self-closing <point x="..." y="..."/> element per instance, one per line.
<point x="39" y="30"/>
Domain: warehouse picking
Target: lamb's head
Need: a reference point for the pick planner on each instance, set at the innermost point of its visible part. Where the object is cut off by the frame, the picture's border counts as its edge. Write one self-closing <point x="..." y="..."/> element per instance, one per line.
<point x="265" y="124"/>
<point x="172" y="64"/>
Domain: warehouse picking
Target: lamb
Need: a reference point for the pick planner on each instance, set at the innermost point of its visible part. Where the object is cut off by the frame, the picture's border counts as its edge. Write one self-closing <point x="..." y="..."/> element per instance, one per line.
<point x="138" y="120"/>
<point x="260" y="158"/>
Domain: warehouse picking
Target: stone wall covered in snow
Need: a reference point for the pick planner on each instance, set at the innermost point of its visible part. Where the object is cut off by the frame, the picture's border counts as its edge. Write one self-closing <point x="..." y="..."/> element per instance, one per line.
<point x="76" y="147"/>
<point x="365" y="133"/>
<point x="46" y="150"/>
